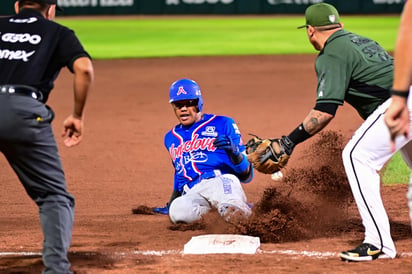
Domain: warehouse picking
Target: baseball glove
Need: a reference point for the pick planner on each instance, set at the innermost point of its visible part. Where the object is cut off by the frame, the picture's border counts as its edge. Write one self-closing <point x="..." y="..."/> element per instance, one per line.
<point x="267" y="155"/>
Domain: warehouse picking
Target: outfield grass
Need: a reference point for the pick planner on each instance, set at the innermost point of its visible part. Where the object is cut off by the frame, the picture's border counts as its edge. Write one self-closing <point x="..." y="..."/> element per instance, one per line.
<point x="137" y="37"/>
<point x="396" y="171"/>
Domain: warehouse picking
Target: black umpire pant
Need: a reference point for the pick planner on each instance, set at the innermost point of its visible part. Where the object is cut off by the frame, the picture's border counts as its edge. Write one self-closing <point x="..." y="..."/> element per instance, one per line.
<point x="28" y="143"/>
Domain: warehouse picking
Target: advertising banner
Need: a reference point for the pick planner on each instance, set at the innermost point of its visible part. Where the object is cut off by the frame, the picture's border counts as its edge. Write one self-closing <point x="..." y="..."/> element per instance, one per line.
<point x="142" y="7"/>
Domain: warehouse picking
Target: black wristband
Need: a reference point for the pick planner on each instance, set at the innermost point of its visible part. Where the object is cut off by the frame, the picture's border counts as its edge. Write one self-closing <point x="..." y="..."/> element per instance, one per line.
<point x="299" y="135"/>
<point x="401" y="93"/>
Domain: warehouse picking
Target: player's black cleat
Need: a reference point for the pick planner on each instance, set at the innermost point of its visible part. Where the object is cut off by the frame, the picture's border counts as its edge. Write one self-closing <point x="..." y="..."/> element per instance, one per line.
<point x="363" y="252"/>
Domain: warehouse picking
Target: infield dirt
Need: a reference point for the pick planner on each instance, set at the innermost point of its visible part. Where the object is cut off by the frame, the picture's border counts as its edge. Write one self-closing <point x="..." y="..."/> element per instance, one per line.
<point x="303" y="222"/>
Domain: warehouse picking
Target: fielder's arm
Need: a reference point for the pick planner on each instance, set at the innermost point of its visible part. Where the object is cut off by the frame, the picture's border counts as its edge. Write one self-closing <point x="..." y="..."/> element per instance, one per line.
<point x="314" y="122"/>
<point x="271" y="155"/>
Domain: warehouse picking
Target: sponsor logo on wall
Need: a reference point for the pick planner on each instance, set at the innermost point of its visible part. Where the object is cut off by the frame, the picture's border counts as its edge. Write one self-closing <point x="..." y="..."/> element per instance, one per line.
<point x="389" y="1"/>
<point x="293" y="2"/>
<point x="306" y="2"/>
<point x="126" y="3"/>
<point x="177" y="2"/>
<point x="94" y="3"/>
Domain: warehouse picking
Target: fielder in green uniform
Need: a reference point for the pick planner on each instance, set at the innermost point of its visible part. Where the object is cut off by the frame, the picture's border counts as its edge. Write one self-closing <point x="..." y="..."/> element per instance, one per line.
<point x="354" y="69"/>
<point x="357" y="70"/>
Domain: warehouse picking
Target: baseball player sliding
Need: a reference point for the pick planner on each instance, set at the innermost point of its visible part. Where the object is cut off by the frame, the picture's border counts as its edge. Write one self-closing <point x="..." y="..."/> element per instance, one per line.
<point x="209" y="158"/>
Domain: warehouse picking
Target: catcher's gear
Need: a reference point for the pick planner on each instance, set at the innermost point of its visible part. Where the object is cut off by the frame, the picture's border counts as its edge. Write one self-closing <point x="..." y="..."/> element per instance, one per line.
<point x="186" y="89"/>
<point x="269" y="155"/>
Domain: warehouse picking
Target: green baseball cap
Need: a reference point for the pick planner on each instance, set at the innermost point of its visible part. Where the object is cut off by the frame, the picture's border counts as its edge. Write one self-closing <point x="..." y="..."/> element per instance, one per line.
<point x="321" y="14"/>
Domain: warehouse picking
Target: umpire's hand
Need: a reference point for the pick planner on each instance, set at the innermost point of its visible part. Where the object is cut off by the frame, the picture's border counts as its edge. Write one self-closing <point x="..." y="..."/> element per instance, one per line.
<point x="72" y="131"/>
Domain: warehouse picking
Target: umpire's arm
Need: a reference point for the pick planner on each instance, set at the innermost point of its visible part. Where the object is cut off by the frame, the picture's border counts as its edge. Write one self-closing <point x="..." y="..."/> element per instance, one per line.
<point x="83" y="79"/>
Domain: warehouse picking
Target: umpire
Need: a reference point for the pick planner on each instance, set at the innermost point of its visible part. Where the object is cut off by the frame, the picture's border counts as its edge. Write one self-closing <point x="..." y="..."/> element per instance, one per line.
<point x="33" y="49"/>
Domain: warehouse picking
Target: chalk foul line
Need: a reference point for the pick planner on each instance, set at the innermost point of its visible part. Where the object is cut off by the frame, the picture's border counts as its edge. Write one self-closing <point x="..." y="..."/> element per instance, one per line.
<point x="303" y="253"/>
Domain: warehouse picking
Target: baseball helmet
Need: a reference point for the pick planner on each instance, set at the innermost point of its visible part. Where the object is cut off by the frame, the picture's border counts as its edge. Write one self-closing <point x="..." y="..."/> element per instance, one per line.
<point x="186" y="89"/>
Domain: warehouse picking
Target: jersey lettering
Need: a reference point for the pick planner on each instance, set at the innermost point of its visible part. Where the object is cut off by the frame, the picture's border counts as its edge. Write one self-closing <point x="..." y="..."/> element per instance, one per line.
<point x="227" y="185"/>
<point x="24" y="20"/>
<point x="372" y="50"/>
<point x="197" y="157"/>
<point x="359" y="40"/>
<point x="21" y="38"/>
<point x="384" y="56"/>
<point x="16" y="55"/>
<point x="209" y="131"/>
<point x="192" y="145"/>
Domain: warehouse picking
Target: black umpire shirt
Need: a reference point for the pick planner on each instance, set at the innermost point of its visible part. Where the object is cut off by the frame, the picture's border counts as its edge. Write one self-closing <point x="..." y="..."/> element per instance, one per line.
<point x="33" y="50"/>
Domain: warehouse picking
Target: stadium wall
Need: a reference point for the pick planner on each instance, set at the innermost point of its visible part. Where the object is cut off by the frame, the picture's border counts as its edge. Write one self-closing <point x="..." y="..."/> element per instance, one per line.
<point x="153" y="7"/>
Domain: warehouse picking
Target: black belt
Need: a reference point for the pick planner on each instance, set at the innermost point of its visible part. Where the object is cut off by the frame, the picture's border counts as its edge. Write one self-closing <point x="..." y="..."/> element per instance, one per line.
<point x="21" y="90"/>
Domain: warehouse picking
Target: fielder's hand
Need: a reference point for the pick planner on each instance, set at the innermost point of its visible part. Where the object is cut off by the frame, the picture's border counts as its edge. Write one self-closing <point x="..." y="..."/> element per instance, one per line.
<point x="268" y="155"/>
<point x="397" y="119"/>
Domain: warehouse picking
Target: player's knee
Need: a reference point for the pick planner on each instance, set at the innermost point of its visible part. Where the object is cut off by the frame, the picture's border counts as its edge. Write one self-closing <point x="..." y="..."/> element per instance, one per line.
<point x="180" y="212"/>
<point x="358" y="152"/>
<point x="350" y="155"/>
<point x="228" y="211"/>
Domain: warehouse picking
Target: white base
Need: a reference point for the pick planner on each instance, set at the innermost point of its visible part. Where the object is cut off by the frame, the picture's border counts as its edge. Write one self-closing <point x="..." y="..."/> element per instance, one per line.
<point x="222" y="243"/>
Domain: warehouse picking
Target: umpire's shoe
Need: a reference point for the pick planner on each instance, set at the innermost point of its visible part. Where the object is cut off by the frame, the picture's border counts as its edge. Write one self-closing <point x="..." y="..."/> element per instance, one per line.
<point x="364" y="252"/>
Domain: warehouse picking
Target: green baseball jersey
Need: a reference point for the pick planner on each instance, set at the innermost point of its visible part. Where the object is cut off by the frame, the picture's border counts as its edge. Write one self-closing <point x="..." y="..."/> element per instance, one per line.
<point x="354" y="69"/>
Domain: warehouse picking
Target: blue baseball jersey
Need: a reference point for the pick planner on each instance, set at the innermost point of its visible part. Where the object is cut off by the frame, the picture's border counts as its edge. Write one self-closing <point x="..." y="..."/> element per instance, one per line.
<point x="192" y="151"/>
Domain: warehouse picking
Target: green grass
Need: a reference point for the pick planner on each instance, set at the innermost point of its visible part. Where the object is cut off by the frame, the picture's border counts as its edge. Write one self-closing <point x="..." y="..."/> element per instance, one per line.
<point x="135" y="37"/>
<point x="396" y="171"/>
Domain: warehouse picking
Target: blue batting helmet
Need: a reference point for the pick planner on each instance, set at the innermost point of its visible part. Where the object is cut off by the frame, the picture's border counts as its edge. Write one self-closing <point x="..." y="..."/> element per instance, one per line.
<point x="186" y="89"/>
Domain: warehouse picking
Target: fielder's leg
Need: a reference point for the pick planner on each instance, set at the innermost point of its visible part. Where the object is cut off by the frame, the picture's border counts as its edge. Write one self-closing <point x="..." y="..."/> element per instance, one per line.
<point x="363" y="156"/>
